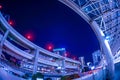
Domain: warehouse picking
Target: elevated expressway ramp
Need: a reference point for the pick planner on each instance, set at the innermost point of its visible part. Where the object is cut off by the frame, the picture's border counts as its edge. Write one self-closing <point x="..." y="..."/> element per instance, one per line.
<point x="104" y="18"/>
<point x="26" y="57"/>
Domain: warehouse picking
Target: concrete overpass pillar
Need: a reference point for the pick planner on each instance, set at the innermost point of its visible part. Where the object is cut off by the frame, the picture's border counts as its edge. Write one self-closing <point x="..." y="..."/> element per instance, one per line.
<point x="35" y="61"/>
<point x="63" y="65"/>
<point x="3" y="40"/>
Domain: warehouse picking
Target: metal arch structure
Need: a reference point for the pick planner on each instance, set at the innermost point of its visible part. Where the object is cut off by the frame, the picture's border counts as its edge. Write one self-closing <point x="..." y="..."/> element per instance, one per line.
<point x="32" y="57"/>
<point x="104" y="18"/>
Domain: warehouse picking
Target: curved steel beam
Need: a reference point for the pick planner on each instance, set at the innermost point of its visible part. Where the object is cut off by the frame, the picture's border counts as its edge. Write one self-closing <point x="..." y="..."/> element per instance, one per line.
<point x="90" y="18"/>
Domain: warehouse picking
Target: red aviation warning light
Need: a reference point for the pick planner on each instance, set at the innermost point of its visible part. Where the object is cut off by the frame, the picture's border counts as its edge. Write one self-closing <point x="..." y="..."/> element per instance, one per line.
<point x="74" y="57"/>
<point x="65" y="54"/>
<point x="29" y="36"/>
<point x="0" y="7"/>
<point x="49" y="46"/>
<point x="11" y="22"/>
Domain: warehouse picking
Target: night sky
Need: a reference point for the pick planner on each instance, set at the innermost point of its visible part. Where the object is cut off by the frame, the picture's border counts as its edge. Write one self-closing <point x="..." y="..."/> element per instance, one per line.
<point x="50" y="21"/>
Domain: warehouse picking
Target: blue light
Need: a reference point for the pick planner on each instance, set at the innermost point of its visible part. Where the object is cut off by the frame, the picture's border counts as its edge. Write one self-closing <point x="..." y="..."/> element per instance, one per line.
<point x="59" y="49"/>
<point x="93" y="67"/>
<point x="108" y="38"/>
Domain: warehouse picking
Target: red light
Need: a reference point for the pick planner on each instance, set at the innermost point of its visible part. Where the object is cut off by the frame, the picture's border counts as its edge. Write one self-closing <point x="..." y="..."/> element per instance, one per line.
<point x="74" y="58"/>
<point x="49" y="46"/>
<point x="11" y="22"/>
<point x="65" y="54"/>
<point x="0" y="6"/>
<point x="29" y="36"/>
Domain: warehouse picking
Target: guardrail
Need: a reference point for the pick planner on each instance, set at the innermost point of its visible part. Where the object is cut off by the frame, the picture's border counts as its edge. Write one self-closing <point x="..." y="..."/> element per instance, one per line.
<point x="95" y="75"/>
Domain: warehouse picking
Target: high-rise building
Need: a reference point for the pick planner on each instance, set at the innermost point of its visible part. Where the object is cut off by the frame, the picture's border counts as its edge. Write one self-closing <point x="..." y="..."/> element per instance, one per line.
<point x="96" y="57"/>
<point x="82" y="61"/>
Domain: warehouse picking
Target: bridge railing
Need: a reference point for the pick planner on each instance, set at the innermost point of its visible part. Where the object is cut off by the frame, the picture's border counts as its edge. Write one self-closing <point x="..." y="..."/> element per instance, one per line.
<point x="95" y="75"/>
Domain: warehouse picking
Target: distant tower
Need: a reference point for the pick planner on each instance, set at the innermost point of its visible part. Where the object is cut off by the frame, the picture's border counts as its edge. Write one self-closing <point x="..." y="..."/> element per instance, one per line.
<point x="82" y="61"/>
<point x="96" y="57"/>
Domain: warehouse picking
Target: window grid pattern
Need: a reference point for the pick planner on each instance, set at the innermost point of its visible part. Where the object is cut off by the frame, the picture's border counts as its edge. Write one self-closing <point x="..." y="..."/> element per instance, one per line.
<point x="106" y="13"/>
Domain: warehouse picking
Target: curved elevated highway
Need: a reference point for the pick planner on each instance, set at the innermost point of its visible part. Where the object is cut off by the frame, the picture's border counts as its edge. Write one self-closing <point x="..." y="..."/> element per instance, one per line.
<point x="103" y="17"/>
<point x="30" y="57"/>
